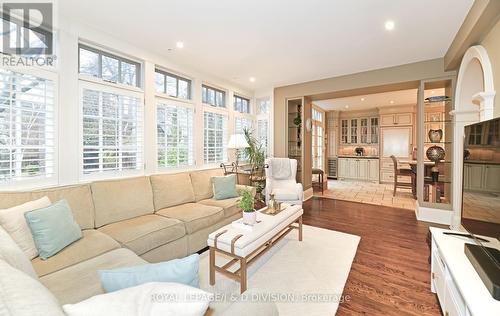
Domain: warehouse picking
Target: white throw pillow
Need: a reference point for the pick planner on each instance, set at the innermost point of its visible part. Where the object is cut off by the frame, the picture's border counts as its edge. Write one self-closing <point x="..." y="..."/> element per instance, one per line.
<point x="13" y="221"/>
<point x="149" y="299"/>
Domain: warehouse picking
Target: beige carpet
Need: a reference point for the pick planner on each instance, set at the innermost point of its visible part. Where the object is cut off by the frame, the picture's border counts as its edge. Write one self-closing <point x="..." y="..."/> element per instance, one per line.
<point x="295" y="275"/>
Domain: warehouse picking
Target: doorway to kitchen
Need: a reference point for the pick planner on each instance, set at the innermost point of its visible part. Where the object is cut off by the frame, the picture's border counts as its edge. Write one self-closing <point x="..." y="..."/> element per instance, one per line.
<point x="361" y="132"/>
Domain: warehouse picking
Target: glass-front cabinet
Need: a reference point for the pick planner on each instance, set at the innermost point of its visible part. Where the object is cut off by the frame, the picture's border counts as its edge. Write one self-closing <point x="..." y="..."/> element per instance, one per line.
<point x="359" y="130"/>
<point x="435" y="144"/>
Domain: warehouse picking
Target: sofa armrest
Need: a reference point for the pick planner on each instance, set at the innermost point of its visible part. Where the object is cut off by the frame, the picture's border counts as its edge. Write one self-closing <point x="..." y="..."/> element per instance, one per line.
<point x="240" y="188"/>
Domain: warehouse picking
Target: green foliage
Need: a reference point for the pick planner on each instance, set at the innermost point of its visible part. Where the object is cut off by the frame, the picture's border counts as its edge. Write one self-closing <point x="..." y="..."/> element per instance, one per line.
<point x="255" y="150"/>
<point x="246" y="203"/>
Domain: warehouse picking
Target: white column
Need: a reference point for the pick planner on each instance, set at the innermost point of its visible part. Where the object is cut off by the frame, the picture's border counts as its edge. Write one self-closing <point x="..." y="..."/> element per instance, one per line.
<point x="460" y="120"/>
<point x="486" y="101"/>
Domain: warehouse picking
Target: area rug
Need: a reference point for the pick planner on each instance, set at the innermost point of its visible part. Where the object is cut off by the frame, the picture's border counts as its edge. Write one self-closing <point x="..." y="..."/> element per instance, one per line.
<point x="302" y="278"/>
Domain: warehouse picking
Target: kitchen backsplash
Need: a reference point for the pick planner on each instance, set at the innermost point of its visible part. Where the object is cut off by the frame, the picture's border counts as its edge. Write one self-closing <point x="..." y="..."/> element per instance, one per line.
<point x="347" y="150"/>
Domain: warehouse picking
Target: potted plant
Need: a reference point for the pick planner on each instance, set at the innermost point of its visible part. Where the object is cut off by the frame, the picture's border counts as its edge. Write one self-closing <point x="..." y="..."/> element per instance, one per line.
<point x="246" y="203"/>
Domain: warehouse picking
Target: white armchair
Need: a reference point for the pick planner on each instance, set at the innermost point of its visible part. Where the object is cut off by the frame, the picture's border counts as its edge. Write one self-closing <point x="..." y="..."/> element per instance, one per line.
<point x="283" y="184"/>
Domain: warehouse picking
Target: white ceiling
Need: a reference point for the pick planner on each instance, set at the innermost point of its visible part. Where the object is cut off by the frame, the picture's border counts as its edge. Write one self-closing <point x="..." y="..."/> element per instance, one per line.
<point x="377" y="100"/>
<point x="279" y="41"/>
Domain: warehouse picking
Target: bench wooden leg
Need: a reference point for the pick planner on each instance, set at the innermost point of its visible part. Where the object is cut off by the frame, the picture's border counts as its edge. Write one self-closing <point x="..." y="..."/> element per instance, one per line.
<point x="300" y="228"/>
<point x="243" y="275"/>
<point x="212" y="265"/>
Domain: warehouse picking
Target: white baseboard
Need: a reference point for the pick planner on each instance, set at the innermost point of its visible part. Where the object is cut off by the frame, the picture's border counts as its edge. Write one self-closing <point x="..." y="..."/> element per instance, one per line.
<point x="433" y="215"/>
<point x="308" y="194"/>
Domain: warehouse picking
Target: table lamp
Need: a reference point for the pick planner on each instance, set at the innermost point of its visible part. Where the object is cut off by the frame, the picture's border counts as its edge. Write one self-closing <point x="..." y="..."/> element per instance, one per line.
<point x="237" y="142"/>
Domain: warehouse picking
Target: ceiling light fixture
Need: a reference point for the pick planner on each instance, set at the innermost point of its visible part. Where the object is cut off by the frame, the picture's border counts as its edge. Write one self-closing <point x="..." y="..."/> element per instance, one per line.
<point x="432" y="92"/>
<point x="391" y="102"/>
<point x="346" y="106"/>
<point x="362" y="99"/>
<point x="389" y="25"/>
<point x="179" y="44"/>
<point x="252" y="79"/>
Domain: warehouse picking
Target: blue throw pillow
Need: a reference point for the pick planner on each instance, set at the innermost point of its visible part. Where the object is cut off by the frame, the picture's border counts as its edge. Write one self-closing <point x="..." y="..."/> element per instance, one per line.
<point x="183" y="271"/>
<point x="224" y="187"/>
<point x="53" y="228"/>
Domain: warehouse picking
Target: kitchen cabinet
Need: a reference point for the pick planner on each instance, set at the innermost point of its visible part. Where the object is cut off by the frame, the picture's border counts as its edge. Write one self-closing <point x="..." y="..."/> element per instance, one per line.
<point x="358" y="168"/>
<point x="331" y="129"/>
<point x="359" y="130"/>
<point x="397" y="119"/>
<point x="482" y="177"/>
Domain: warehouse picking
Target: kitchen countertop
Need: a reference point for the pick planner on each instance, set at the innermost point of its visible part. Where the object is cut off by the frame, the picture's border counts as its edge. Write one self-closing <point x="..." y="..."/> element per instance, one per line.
<point x="359" y="157"/>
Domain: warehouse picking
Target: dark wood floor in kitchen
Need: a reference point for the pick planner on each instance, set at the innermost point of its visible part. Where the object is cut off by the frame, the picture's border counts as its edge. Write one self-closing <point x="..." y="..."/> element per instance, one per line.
<point x="390" y="273"/>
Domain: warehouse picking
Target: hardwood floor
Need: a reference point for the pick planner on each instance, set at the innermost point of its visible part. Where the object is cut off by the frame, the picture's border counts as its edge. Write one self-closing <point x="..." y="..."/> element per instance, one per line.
<point x="390" y="274"/>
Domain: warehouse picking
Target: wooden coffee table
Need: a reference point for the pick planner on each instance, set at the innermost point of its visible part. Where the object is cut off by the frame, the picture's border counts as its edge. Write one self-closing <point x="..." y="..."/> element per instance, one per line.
<point x="246" y="246"/>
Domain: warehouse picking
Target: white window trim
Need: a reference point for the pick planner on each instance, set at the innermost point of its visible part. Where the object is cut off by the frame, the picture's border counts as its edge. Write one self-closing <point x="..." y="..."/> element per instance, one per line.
<point x="215" y="110"/>
<point x="111" y="88"/>
<point x="177" y="102"/>
<point x="227" y="97"/>
<point x="40" y="182"/>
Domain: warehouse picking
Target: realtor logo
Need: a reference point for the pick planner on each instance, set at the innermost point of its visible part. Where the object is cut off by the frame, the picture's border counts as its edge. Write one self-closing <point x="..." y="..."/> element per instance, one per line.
<point x="27" y="29"/>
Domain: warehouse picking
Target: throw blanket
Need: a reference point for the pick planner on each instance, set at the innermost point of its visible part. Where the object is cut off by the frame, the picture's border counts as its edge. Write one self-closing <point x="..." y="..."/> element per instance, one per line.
<point x="281" y="168"/>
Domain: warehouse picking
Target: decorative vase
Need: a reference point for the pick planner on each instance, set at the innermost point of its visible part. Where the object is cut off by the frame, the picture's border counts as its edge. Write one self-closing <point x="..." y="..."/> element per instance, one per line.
<point x="249" y="218"/>
<point x="435" y="153"/>
<point x="435" y="135"/>
<point x="271" y="204"/>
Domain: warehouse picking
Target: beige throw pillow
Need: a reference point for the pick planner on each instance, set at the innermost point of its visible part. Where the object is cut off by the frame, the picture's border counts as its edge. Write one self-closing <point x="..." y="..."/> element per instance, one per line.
<point x="13" y="221"/>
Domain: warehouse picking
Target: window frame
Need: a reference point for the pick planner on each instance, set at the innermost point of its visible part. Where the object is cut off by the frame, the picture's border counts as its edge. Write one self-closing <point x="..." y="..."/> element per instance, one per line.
<point x="82" y="177"/>
<point x="215" y="105"/>
<point x="99" y="78"/>
<point x="168" y="101"/>
<point x="249" y="108"/>
<point x="40" y="182"/>
<point x="177" y="78"/>
<point x="225" y="139"/>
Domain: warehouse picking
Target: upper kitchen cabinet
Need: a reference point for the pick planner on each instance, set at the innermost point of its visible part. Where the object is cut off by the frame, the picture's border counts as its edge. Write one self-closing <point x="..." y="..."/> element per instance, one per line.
<point x="359" y="128"/>
<point x="396" y="119"/>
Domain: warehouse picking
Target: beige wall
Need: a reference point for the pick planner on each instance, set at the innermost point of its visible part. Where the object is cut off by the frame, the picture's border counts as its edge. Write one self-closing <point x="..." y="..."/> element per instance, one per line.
<point x="373" y="81"/>
<point x="492" y="44"/>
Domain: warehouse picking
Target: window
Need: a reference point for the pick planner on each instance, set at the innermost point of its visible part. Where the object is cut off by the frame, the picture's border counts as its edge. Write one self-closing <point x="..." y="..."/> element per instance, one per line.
<point x="112" y="130"/>
<point x="241" y="105"/>
<point x="173" y="85"/>
<point x="100" y="64"/>
<point x="317" y="139"/>
<point x="264" y="106"/>
<point x="241" y="123"/>
<point x="214" y="97"/>
<point x="27" y="127"/>
<point x="263" y="134"/>
<point x="174" y="136"/>
<point x="214" y="147"/>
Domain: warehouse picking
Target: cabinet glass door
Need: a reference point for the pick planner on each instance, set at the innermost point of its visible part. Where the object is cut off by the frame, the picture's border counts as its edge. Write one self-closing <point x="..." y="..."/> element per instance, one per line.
<point x="374" y="130"/>
<point x="344" y="131"/>
<point x="364" y="130"/>
<point x="354" y="131"/>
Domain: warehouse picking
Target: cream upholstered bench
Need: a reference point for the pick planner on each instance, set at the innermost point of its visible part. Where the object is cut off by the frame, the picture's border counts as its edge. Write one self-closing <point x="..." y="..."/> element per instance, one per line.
<point x="244" y="246"/>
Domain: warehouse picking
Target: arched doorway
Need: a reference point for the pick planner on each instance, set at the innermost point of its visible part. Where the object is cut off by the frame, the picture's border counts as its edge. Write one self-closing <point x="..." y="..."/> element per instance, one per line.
<point x="474" y="97"/>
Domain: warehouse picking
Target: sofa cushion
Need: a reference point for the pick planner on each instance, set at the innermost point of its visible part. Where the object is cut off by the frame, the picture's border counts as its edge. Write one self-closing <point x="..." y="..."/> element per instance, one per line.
<point x="202" y="183"/>
<point x="144" y="233"/>
<point x="92" y="244"/>
<point x="81" y="281"/>
<point x="117" y="200"/>
<point x="194" y="215"/>
<point x="21" y="295"/>
<point x="230" y="206"/>
<point x="79" y="199"/>
<point x="14" y="222"/>
<point x="13" y="255"/>
<point x="171" y="189"/>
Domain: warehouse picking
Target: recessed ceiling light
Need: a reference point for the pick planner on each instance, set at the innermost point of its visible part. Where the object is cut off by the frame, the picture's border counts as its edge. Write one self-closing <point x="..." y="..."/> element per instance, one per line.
<point x="346" y="106"/>
<point x="391" y="102"/>
<point x="389" y="25"/>
<point x="252" y="79"/>
<point x="362" y="99"/>
<point x="179" y="44"/>
<point x="432" y="91"/>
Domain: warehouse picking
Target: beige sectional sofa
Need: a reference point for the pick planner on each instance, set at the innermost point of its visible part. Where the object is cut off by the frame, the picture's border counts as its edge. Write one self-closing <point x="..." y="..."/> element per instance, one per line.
<point x="128" y="222"/>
